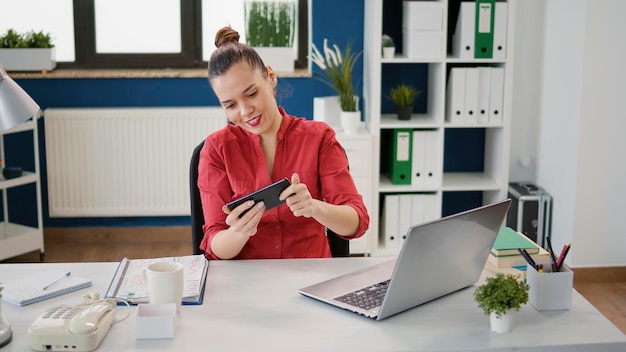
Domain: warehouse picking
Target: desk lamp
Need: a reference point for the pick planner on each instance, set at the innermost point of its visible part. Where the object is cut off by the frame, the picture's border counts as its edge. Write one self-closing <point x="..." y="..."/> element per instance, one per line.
<point x="15" y="108"/>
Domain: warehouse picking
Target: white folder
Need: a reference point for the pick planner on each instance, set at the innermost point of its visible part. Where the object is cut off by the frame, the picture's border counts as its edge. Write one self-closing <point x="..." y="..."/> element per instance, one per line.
<point x="432" y="208"/>
<point x="500" y="25"/>
<point x="417" y="209"/>
<point x="418" y="171"/>
<point x="404" y="214"/>
<point x="390" y="221"/>
<point x="471" y="95"/>
<point x="455" y="95"/>
<point x="496" y="99"/>
<point x="463" y="38"/>
<point x="431" y="163"/>
<point x="484" y="83"/>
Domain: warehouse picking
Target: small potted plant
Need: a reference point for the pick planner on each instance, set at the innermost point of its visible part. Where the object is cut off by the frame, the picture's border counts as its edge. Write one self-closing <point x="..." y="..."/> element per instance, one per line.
<point x="403" y="96"/>
<point x="30" y="51"/>
<point x="499" y="297"/>
<point x="389" y="48"/>
<point x="337" y="66"/>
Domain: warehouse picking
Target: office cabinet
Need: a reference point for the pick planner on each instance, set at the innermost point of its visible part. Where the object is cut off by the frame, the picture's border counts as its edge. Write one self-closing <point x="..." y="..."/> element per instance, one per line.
<point x="465" y="161"/>
<point x="18" y="236"/>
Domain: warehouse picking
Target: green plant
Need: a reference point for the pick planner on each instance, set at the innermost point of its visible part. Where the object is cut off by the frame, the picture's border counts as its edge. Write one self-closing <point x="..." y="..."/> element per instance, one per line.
<point x="32" y="39"/>
<point x="404" y="95"/>
<point x="270" y="23"/>
<point x="387" y="41"/>
<point x="337" y="67"/>
<point x="500" y="294"/>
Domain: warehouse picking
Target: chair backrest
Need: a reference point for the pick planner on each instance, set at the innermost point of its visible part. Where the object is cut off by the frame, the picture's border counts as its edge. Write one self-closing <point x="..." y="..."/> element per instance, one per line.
<point x="197" y="217"/>
<point x="338" y="246"/>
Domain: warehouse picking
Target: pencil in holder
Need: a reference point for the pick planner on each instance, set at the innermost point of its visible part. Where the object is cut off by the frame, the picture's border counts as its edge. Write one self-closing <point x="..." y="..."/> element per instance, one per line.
<point x="550" y="290"/>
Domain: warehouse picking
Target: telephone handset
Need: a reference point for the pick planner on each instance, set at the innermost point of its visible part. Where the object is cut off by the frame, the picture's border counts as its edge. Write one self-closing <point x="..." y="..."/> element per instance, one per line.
<point x="72" y="328"/>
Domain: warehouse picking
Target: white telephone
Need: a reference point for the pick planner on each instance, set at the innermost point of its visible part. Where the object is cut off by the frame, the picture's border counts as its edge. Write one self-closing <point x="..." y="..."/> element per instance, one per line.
<point x="72" y="328"/>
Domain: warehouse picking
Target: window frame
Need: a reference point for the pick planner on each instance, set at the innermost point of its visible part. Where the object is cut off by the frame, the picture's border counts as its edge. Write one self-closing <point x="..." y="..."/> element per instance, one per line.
<point x="191" y="41"/>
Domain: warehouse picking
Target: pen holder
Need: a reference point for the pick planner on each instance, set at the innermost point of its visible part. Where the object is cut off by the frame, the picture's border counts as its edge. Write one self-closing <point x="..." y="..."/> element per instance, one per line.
<point x="550" y="290"/>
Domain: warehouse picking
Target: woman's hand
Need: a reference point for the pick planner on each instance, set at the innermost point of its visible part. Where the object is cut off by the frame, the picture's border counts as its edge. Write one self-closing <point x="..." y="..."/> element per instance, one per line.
<point x="245" y="218"/>
<point x="299" y="198"/>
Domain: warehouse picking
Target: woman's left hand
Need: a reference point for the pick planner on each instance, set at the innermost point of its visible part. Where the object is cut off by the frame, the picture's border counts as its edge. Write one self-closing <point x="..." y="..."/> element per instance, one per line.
<point x="299" y="198"/>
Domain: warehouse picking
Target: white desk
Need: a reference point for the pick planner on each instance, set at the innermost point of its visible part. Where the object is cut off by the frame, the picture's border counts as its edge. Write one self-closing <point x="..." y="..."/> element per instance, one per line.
<point x="254" y="305"/>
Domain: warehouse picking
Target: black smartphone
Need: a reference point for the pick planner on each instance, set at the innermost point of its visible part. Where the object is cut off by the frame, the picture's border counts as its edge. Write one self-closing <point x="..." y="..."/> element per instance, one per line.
<point x="268" y="194"/>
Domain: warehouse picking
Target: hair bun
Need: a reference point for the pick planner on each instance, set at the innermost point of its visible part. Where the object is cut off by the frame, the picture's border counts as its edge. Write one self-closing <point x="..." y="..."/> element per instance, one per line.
<point x="226" y="35"/>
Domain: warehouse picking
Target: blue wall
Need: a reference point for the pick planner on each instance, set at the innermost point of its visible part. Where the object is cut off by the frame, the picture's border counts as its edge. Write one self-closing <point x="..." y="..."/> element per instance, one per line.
<point x="339" y="21"/>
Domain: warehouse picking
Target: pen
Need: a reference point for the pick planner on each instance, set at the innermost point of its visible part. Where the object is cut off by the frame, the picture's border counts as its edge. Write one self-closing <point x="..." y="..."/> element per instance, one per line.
<point x="552" y="256"/>
<point x="527" y="256"/>
<point x="57" y="280"/>
<point x="564" y="252"/>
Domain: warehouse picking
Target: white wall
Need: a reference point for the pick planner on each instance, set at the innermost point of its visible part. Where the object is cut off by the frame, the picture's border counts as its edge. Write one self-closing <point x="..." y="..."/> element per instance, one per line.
<point x="580" y="79"/>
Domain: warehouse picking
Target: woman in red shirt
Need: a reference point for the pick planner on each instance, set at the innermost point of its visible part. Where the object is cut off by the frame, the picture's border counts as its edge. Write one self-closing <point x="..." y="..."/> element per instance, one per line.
<point x="263" y="144"/>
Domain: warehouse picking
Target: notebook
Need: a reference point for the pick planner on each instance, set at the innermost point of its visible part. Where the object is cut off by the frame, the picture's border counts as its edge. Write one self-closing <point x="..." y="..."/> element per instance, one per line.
<point x="508" y="241"/>
<point x="30" y="289"/>
<point x="436" y="259"/>
<point x="127" y="282"/>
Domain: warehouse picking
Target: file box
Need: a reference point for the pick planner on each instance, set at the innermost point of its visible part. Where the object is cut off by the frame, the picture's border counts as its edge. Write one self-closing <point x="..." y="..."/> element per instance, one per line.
<point x="422" y="44"/>
<point x="550" y="290"/>
<point x="530" y="212"/>
<point x="422" y="16"/>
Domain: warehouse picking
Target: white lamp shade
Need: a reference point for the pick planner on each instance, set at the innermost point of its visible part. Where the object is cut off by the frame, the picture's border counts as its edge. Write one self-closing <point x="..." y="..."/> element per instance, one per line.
<point x="15" y="105"/>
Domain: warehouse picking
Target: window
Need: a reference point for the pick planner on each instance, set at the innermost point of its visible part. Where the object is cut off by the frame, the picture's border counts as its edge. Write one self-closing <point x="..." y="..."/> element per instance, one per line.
<point x="136" y="33"/>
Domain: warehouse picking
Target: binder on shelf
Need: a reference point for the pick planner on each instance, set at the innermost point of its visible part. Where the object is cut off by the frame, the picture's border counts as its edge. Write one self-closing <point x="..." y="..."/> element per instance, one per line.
<point x="432" y="209"/>
<point x="500" y="27"/>
<point x="496" y="95"/>
<point x="431" y="160"/>
<point x="471" y="95"/>
<point x="483" y="37"/>
<point x="418" y="165"/>
<point x="463" y="38"/>
<point x="404" y="214"/>
<point x="417" y="209"/>
<point x="389" y="221"/>
<point x="455" y="95"/>
<point x="400" y="159"/>
<point x="424" y="207"/>
<point x="484" y="84"/>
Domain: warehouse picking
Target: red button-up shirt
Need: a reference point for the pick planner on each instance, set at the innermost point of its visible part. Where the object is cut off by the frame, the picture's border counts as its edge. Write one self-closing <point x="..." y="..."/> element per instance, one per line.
<point x="232" y="164"/>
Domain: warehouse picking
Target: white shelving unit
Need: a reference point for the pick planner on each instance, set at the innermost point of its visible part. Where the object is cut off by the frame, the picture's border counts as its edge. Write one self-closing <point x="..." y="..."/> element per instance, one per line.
<point x="15" y="238"/>
<point x="492" y="181"/>
<point x="358" y="148"/>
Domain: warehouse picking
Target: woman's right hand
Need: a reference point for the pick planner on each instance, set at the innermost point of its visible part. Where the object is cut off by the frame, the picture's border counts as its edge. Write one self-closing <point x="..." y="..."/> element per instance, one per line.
<point x="245" y="218"/>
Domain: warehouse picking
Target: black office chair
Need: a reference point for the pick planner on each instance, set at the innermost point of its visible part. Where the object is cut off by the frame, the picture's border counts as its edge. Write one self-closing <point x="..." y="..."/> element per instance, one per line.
<point x="338" y="246"/>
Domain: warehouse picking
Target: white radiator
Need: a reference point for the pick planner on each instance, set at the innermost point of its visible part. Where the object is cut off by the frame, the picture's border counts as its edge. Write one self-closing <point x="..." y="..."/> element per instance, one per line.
<point x="105" y="162"/>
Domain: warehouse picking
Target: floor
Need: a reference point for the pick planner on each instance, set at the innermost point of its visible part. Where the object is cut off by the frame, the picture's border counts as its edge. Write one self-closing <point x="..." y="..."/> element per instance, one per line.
<point x="604" y="288"/>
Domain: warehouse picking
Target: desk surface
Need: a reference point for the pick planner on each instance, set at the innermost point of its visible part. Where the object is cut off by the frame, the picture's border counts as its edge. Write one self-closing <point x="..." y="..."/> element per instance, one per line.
<point x="254" y="305"/>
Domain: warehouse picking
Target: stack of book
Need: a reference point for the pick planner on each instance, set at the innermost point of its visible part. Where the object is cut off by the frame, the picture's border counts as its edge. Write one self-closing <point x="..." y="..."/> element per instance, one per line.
<point x="505" y="254"/>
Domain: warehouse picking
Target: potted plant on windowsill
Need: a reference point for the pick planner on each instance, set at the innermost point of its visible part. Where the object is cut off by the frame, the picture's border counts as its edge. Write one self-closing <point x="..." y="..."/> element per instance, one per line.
<point x="270" y="30"/>
<point x="338" y="67"/>
<point x="403" y="97"/>
<point x="31" y="51"/>
<point x="499" y="297"/>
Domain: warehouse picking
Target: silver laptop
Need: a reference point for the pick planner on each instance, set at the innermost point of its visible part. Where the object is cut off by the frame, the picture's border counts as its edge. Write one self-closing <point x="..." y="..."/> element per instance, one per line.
<point x="436" y="259"/>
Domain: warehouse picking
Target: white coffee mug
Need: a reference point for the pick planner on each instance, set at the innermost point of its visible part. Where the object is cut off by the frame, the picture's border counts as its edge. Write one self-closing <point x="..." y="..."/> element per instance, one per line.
<point x="164" y="281"/>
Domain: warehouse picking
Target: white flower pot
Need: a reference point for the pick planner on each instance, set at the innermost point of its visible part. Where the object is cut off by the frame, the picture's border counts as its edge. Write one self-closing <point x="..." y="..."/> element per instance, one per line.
<point x="28" y="59"/>
<point x="350" y="121"/>
<point x="503" y="324"/>
<point x="281" y="59"/>
<point x="389" y="52"/>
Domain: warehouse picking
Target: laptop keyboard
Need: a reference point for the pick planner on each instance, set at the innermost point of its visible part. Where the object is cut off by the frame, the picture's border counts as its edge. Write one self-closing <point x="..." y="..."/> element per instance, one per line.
<point x="366" y="298"/>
